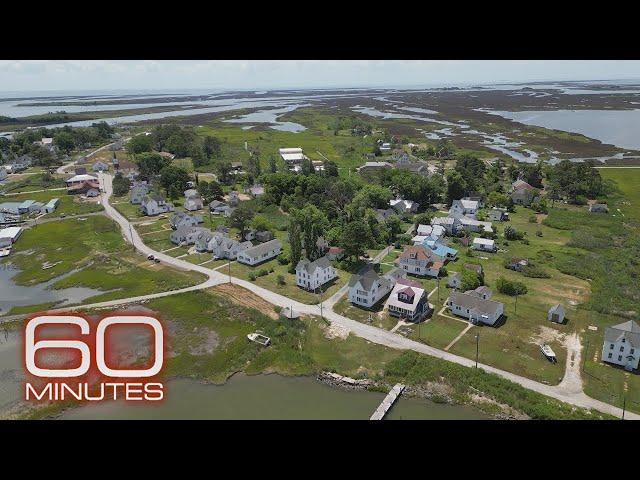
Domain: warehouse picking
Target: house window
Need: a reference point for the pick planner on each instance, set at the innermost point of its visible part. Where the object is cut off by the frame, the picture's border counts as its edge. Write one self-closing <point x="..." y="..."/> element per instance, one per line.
<point x="622" y="349"/>
<point x="619" y="358"/>
<point x="632" y="351"/>
<point x="610" y="355"/>
<point x="624" y="340"/>
<point x="611" y="347"/>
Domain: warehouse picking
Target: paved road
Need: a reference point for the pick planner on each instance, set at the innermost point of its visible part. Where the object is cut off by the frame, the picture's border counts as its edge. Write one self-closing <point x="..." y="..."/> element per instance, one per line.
<point x="565" y="391"/>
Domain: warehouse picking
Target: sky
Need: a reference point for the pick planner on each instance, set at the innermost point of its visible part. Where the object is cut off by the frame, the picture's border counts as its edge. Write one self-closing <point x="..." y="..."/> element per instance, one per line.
<point x="45" y="75"/>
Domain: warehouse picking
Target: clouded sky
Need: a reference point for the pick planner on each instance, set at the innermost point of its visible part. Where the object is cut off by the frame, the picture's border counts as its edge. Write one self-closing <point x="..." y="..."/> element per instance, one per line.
<point x="16" y="75"/>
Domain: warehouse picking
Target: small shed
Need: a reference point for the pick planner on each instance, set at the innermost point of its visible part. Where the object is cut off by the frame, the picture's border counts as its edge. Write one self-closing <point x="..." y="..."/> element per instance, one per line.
<point x="556" y="314"/>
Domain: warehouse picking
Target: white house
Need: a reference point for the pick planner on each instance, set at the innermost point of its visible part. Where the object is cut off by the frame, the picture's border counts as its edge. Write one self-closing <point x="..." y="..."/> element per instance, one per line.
<point x="433" y="231"/>
<point x="621" y="343"/>
<point x="464" y="207"/>
<point x="484" y="244"/>
<point x="599" y="208"/>
<point x="155" y="205"/>
<point x="556" y="314"/>
<point x="260" y="253"/>
<point x="312" y="275"/>
<point x="366" y="288"/>
<point x="100" y="167"/>
<point x="476" y="306"/>
<point x="403" y="206"/>
<point x="181" y="219"/>
<point x="448" y="223"/>
<point x="3" y="173"/>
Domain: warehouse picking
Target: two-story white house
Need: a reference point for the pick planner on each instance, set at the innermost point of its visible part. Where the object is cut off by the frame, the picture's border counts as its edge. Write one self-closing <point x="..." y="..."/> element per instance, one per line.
<point x="621" y="344"/>
<point x="464" y="207"/>
<point x="312" y="275"/>
<point x="155" y="205"/>
<point x="366" y="288"/>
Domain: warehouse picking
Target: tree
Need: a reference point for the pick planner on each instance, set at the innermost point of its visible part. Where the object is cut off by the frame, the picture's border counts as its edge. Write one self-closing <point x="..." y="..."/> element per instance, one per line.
<point x="295" y="244"/>
<point x="210" y="191"/>
<point x="511" y="288"/>
<point x="472" y="170"/>
<point x="456" y="186"/>
<point x="261" y="223"/>
<point x="510" y="233"/>
<point x="241" y="217"/>
<point x="222" y="168"/>
<point x="355" y="237"/>
<point x="253" y="166"/>
<point x="120" y="185"/>
<point x="470" y="280"/>
<point x="313" y="223"/>
<point x="139" y="144"/>
<point x="174" y="180"/>
<point x="273" y="167"/>
<point x="150" y="164"/>
<point x="64" y="141"/>
<point x="423" y="218"/>
<point x="330" y="168"/>
<point x="212" y="146"/>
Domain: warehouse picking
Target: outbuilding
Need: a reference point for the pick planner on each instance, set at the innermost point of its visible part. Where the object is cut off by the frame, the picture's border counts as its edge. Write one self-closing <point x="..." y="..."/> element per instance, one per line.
<point x="556" y="314"/>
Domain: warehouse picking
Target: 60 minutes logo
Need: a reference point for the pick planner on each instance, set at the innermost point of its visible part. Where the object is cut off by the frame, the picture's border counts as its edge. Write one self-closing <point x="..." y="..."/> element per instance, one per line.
<point x="91" y="379"/>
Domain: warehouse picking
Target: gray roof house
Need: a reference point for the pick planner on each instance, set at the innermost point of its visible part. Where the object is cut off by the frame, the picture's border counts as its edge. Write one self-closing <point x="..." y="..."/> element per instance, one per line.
<point x="621" y="344"/>
<point x="193" y="202"/>
<point x="187" y="235"/>
<point x="181" y="219"/>
<point x="264" y="236"/>
<point x="100" y="167"/>
<point x="366" y="288"/>
<point x="224" y="247"/>
<point x="312" y="275"/>
<point x="556" y="314"/>
<point x="475" y="306"/>
<point x="138" y="192"/>
<point x="155" y="205"/>
<point x="260" y="253"/>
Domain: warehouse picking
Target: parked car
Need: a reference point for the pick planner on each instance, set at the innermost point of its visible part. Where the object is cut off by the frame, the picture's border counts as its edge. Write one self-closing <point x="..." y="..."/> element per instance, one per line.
<point x="150" y="257"/>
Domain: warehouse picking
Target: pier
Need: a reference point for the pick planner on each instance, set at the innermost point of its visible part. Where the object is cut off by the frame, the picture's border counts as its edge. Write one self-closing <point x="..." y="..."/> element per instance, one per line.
<point x="388" y="402"/>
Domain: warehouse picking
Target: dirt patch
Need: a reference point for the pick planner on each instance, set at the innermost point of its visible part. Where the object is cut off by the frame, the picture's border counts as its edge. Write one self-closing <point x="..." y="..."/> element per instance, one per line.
<point x="245" y="297"/>
<point x="205" y="341"/>
<point x="336" y="331"/>
<point x="548" y="335"/>
<point x="507" y="412"/>
<point x="540" y="217"/>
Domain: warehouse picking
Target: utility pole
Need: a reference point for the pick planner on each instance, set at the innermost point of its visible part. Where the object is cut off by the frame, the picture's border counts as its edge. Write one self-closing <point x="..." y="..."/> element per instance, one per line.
<point x="477" y="348"/>
<point x="624" y="405"/>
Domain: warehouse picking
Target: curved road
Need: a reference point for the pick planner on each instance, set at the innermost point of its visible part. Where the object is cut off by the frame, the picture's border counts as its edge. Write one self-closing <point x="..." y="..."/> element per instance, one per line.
<point x="569" y="390"/>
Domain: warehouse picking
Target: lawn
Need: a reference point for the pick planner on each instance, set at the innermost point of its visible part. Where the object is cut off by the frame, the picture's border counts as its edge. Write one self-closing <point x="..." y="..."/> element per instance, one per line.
<point x="438" y="331"/>
<point x="627" y="180"/>
<point x="289" y="289"/>
<point x="380" y="318"/>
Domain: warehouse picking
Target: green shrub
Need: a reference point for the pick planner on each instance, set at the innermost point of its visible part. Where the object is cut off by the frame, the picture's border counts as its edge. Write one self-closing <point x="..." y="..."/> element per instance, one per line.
<point x="535" y="271"/>
<point x="533" y="219"/>
<point x="510" y="288"/>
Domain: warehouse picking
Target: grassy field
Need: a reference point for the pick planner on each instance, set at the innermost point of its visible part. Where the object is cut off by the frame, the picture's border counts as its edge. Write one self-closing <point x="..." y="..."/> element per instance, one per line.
<point x="69" y="204"/>
<point x="627" y="180"/>
<point x="96" y="248"/>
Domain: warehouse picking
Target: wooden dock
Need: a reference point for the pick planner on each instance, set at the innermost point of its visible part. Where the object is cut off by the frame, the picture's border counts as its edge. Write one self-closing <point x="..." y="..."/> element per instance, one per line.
<point x="388" y="402"/>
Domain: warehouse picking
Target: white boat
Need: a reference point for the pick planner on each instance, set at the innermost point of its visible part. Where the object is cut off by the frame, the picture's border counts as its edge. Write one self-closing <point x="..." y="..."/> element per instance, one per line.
<point x="259" y="338"/>
<point x="548" y="352"/>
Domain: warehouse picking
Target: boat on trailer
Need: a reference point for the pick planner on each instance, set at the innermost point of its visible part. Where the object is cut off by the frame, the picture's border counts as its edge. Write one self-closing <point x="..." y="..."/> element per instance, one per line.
<point x="548" y="352"/>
